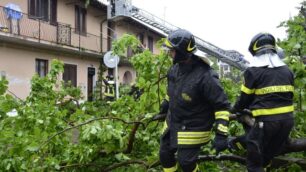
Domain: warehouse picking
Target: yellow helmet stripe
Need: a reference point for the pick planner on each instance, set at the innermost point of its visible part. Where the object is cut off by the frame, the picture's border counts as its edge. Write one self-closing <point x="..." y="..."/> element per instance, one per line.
<point x="255" y="48"/>
<point x="168" y="43"/>
<point x="190" y="48"/>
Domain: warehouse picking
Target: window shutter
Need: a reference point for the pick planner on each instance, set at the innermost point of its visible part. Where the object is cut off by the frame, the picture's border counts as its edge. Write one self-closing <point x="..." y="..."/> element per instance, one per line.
<point x="31" y="7"/>
<point x="53" y="12"/>
<point x="45" y="10"/>
<point x="150" y="43"/>
<point x="77" y="18"/>
<point x="84" y="12"/>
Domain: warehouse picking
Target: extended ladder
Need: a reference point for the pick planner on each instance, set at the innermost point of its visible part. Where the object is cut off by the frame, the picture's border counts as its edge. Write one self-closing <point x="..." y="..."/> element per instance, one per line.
<point x="125" y="8"/>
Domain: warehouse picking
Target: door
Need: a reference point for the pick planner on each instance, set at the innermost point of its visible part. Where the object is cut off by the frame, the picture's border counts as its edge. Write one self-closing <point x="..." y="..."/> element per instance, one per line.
<point x="90" y="81"/>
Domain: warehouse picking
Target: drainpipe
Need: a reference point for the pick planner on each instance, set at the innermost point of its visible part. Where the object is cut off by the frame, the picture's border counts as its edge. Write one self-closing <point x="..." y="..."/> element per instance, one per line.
<point x="101" y="34"/>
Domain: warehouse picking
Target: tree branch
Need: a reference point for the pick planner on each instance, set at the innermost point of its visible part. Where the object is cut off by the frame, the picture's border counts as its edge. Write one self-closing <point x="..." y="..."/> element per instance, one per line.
<point x="287" y="161"/>
<point x="117" y="165"/>
<point x="234" y="158"/>
<point x="80" y="165"/>
<point x="87" y="122"/>
<point x="294" y="145"/>
<point x="131" y="139"/>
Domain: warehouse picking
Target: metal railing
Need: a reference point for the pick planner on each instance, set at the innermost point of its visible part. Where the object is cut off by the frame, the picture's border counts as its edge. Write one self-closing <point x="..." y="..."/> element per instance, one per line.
<point x="35" y="27"/>
<point x="153" y="20"/>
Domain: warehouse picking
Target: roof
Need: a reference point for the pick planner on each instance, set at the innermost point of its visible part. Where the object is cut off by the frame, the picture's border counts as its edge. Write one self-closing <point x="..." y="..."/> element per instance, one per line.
<point x="98" y="4"/>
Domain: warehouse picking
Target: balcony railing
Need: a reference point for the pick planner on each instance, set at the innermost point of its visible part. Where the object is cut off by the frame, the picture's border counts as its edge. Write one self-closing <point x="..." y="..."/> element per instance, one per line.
<point x="63" y="34"/>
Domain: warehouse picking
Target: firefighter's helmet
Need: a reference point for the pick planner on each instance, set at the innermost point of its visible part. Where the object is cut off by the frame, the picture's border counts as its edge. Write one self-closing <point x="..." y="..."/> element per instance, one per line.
<point x="262" y="42"/>
<point x="110" y="77"/>
<point x="183" y="42"/>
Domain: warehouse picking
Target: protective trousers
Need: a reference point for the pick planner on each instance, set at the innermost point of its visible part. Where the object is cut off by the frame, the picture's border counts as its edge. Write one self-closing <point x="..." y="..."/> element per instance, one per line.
<point x="264" y="141"/>
<point x="186" y="157"/>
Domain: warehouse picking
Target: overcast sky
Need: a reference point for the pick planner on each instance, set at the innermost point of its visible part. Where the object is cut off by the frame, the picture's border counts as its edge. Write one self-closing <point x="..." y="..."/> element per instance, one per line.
<point x="228" y="24"/>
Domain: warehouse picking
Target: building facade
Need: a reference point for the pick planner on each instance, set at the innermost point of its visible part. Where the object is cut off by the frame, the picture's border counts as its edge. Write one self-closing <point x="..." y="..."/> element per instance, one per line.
<point x="33" y="32"/>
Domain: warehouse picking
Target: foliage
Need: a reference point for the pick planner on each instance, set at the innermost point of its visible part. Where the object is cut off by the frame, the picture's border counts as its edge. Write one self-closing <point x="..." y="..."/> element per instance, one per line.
<point x="3" y="85"/>
<point x="294" y="44"/>
<point x="231" y="88"/>
<point x="295" y="49"/>
<point x="99" y="86"/>
<point x="54" y="131"/>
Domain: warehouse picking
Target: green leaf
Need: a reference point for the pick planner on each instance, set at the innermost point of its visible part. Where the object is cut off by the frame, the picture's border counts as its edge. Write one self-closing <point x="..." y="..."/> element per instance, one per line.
<point x="32" y="148"/>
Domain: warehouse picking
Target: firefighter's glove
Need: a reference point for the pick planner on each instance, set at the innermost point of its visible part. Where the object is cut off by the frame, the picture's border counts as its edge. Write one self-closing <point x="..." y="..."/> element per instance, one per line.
<point x="159" y="117"/>
<point x="233" y="110"/>
<point x="220" y="143"/>
<point x="237" y="143"/>
<point x="164" y="106"/>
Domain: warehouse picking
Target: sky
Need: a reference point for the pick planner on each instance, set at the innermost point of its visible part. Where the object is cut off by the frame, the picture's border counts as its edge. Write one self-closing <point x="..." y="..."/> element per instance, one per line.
<point x="228" y="24"/>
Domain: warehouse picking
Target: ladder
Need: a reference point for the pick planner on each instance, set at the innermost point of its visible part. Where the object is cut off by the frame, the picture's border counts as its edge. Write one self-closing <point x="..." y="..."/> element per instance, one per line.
<point x="231" y="57"/>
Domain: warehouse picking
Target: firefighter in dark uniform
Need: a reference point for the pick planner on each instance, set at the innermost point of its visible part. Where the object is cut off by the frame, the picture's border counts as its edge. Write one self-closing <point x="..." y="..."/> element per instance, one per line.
<point x="109" y="92"/>
<point x="196" y="102"/>
<point x="268" y="92"/>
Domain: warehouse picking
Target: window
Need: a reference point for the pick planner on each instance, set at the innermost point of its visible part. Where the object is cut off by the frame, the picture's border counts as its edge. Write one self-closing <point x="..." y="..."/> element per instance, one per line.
<point x="70" y="74"/>
<point x="2" y="74"/>
<point x="90" y="83"/>
<point x="41" y="67"/>
<point x="110" y="71"/>
<point x="127" y="78"/>
<point x="140" y="37"/>
<point x="80" y="20"/>
<point x="43" y="9"/>
<point x="226" y="67"/>
<point x="150" y="43"/>
<point x="130" y="52"/>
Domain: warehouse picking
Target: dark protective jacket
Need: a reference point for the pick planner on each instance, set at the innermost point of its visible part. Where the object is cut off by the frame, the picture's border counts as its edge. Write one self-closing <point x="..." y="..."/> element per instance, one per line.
<point x="109" y="89"/>
<point x="196" y="99"/>
<point x="268" y="92"/>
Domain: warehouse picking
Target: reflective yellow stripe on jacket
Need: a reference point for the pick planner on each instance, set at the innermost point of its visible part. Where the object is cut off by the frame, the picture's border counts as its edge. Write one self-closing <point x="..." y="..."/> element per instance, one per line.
<point x="196" y="169"/>
<point x="268" y="90"/>
<point x="193" y="137"/>
<point x="274" y="89"/>
<point x="273" y="111"/>
<point x="109" y="94"/>
<point x="246" y="90"/>
<point x="222" y="128"/>
<point x="222" y="115"/>
<point x="171" y="169"/>
<point x="165" y="126"/>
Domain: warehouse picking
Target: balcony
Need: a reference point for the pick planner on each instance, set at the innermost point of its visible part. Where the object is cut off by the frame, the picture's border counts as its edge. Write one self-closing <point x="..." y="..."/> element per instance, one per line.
<point x="30" y="30"/>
